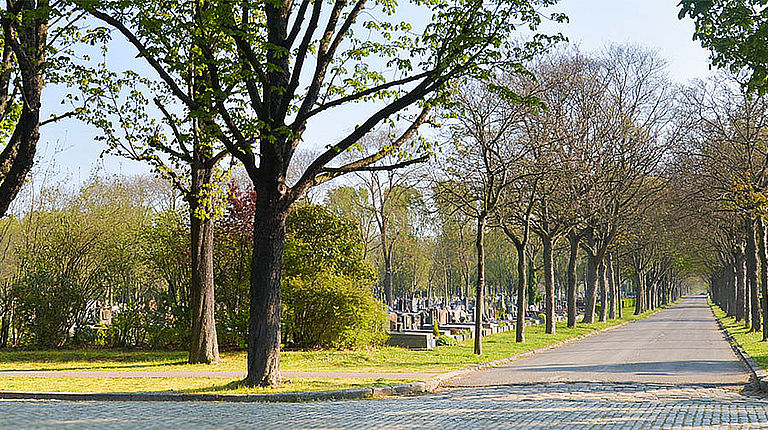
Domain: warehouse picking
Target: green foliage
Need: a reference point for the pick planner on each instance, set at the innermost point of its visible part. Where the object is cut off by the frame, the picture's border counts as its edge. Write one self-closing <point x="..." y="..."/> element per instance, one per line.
<point x="49" y="303"/>
<point x="317" y="241"/>
<point x="100" y="247"/>
<point x="331" y="311"/>
<point x="735" y="33"/>
<point x="327" y="284"/>
<point x="445" y="340"/>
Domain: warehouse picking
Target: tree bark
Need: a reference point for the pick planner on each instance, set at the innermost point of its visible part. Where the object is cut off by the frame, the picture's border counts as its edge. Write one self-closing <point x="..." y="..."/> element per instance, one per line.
<point x="741" y="285"/>
<point x="480" y="287"/>
<point x="204" y="346"/>
<point x="639" y="293"/>
<point x="573" y="242"/>
<point x="549" y="284"/>
<point x="611" y="287"/>
<point x="751" y="263"/>
<point x="27" y="37"/>
<point x="591" y="289"/>
<point x="387" y="254"/>
<point x="763" y="254"/>
<point x="264" y="334"/>
<point x="603" y="290"/>
<point x="522" y="285"/>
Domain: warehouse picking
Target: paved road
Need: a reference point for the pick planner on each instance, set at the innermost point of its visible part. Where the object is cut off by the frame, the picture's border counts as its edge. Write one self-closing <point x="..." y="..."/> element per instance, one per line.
<point x="553" y="406"/>
<point x="679" y="345"/>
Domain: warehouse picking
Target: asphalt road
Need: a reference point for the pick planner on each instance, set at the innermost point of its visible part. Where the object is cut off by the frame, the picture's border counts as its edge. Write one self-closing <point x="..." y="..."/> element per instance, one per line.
<point x="679" y="345"/>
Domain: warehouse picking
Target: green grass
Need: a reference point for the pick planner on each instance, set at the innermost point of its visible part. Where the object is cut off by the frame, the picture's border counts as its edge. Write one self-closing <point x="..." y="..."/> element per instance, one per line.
<point x="185" y="385"/>
<point x="751" y="342"/>
<point x="381" y="359"/>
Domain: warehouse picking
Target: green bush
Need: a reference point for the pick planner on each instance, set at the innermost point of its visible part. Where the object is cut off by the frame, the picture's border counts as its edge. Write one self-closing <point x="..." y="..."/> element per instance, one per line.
<point x="445" y="340"/>
<point x="331" y="311"/>
<point x="49" y="304"/>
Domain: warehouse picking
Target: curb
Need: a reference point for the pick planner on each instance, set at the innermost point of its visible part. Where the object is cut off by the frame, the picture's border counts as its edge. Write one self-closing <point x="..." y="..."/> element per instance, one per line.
<point x="757" y="375"/>
<point x="409" y="389"/>
<point x="348" y="394"/>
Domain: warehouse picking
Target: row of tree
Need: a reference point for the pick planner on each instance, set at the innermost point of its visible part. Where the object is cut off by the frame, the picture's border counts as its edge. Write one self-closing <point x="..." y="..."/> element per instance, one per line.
<point x="580" y="153"/>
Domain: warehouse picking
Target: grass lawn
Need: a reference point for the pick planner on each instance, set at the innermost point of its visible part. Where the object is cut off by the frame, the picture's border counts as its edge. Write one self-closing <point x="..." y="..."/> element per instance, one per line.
<point x="751" y="342"/>
<point x="185" y="385"/>
<point x="381" y="359"/>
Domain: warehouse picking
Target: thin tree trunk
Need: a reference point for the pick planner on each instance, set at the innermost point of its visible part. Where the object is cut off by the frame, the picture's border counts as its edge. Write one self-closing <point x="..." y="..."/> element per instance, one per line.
<point x="549" y="284"/>
<point x="264" y="334"/>
<point x="479" y="293"/>
<point x="573" y="241"/>
<point x="387" y="254"/>
<point x="741" y="288"/>
<point x="603" y="290"/>
<point x="591" y="289"/>
<point x="763" y="254"/>
<point x="611" y="287"/>
<point x="751" y="261"/>
<point x="619" y="299"/>
<point x="639" y="293"/>
<point x="522" y="285"/>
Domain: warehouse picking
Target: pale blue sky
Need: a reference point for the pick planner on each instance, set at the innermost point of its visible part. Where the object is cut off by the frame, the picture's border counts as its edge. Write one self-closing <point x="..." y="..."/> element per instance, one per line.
<point x="593" y="24"/>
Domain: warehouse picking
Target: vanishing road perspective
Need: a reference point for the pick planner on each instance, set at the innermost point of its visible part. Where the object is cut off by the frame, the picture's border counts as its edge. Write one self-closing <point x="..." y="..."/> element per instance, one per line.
<point x="672" y="370"/>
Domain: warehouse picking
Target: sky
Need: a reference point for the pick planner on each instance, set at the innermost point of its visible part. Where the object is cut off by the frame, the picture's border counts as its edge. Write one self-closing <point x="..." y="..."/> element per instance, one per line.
<point x="68" y="149"/>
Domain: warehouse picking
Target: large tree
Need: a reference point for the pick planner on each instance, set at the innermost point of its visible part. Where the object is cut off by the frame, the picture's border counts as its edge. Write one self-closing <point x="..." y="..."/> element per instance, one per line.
<point x="276" y="66"/>
<point x="38" y="38"/>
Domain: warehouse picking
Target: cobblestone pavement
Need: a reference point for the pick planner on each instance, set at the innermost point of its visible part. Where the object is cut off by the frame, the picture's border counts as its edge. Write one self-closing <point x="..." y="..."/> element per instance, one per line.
<point x="551" y="406"/>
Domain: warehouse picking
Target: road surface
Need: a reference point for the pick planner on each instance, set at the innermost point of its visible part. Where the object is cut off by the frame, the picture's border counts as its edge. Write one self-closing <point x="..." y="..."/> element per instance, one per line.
<point x="679" y="345"/>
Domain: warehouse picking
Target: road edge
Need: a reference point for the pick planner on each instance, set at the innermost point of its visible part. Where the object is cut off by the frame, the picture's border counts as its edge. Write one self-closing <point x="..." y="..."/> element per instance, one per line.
<point x="757" y="375"/>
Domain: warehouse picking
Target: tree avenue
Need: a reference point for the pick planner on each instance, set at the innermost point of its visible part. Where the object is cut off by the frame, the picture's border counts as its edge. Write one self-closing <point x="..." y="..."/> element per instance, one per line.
<point x="489" y="179"/>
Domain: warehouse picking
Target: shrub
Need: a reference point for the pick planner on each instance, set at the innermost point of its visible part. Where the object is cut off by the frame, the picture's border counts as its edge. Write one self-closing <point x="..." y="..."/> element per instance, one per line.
<point x="50" y="305"/>
<point x="445" y="340"/>
<point x="331" y="311"/>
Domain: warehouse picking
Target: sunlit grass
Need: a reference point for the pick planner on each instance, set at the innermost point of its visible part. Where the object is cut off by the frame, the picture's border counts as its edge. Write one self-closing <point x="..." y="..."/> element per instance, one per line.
<point x="751" y="342"/>
<point x="181" y="385"/>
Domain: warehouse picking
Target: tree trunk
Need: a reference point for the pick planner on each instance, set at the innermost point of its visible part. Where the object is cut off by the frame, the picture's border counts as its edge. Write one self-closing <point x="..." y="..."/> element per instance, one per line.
<point x="603" y="290"/>
<point x="612" y="287"/>
<point x="549" y="284"/>
<point x="522" y="285"/>
<point x="387" y="253"/>
<point x="639" y="293"/>
<point x="204" y="347"/>
<point x="29" y="32"/>
<point x="265" y="292"/>
<point x="741" y="288"/>
<point x="591" y="289"/>
<point x="573" y="241"/>
<point x="763" y="254"/>
<point x="479" y="293"/>
<point x="388" y="279"/>
<point x="751" y="261"/>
